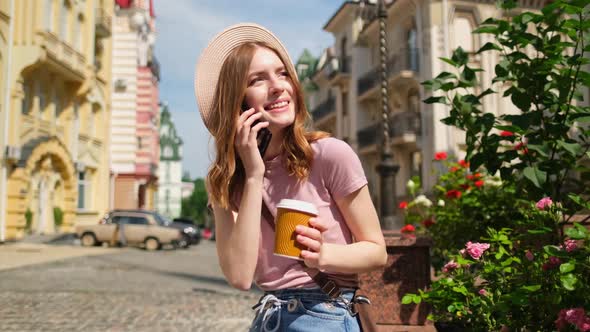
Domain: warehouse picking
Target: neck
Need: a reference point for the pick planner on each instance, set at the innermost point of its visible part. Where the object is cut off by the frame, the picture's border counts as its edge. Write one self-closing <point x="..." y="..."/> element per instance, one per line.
<point x="274" y="148"/>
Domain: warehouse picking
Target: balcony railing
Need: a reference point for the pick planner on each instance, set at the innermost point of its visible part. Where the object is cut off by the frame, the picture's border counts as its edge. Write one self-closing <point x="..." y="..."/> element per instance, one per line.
<point x="63" y="53"/>
<point x="324" y="109"/>
<point x="407" y="59"/>
<point x="102" y="23"/>
<point x="399" y="124"/>
<point x="338" y="65"/>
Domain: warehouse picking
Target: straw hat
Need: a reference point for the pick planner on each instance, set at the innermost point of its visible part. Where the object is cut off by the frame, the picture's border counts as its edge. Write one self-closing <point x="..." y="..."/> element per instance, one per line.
<point x="214" y="55"/>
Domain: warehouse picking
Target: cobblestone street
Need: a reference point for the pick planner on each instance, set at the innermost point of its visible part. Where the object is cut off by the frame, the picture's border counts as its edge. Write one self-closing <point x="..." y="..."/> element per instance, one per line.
<point x="128" y="290"/>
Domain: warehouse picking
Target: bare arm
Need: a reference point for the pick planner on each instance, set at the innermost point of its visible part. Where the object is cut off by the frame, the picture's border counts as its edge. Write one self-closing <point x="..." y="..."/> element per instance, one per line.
<point x="366" y="254"/>
<point x="238" y="236"/>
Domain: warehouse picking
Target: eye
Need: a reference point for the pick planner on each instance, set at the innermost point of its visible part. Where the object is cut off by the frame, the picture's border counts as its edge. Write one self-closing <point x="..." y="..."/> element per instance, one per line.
<point x="284" y="73"/>
<point x="254" y="80"/>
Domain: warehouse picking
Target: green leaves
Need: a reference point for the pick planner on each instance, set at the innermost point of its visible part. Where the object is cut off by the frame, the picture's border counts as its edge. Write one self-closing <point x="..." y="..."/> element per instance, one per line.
<point x="578" y="232"/>
<point x="411" y="298"/>
<point x="569" y="281"/>
<point x="536" y="176"/>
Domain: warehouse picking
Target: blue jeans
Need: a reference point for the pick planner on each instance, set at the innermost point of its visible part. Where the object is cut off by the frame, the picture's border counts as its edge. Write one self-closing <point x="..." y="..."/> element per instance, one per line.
<point x="299" y="310"/>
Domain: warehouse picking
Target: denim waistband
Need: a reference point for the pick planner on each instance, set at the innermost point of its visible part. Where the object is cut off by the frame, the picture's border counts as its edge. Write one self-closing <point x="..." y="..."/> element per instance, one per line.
<point x="315" y="293"/>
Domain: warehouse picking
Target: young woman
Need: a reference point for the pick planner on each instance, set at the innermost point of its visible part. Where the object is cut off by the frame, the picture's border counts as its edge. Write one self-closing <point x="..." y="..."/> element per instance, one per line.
<point x="245" y="83"/>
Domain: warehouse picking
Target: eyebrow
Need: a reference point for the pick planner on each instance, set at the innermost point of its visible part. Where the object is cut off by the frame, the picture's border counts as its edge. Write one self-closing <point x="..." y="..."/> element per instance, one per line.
<point x="263" y="71"/>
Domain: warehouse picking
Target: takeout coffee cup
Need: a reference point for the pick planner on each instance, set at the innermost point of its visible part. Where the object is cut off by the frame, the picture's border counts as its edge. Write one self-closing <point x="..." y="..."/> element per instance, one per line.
<point x="290" y="213"/>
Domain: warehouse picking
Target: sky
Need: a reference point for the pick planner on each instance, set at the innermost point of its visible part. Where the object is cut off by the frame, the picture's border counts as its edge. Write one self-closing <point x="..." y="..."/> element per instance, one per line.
<point x="183" y="30"/>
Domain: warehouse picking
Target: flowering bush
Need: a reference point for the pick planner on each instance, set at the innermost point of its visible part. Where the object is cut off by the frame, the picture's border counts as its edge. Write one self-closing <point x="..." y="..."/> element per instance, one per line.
<point x="467" y="204"/>
<point x="509" y="281"/>
<point x="533" y="276"/>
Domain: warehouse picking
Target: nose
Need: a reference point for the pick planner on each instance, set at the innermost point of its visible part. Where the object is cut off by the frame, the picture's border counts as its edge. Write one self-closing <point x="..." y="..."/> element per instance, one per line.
<point x="276" y="86"/>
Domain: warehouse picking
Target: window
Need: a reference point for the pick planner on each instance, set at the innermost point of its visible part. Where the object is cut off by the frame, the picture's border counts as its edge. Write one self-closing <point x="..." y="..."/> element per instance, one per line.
<point x="412" y="45"/>
<point x="42" y="99"/>
<point x="83" y="190"/>
<point x="64" y="17"/>
<point x="26" y="101"/>
<point x="48" y="15"/>
<point x="137" y="221"/>
<point x="77" y="34"/>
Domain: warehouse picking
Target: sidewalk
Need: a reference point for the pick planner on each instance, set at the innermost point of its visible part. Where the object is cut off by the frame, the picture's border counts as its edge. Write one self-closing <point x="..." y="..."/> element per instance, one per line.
<point x="38" y="249"/>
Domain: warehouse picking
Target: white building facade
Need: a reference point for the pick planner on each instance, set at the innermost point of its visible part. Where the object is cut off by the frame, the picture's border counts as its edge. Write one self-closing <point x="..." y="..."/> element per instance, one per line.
<point x="418" y="32"/>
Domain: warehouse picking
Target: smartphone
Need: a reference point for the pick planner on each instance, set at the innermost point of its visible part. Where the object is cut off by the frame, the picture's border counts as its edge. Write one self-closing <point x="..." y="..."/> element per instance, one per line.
<point x="263" y="137"/>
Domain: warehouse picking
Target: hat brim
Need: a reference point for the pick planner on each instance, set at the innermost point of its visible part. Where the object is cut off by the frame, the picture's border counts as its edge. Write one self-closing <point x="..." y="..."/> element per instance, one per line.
<point x="212" y="58"/>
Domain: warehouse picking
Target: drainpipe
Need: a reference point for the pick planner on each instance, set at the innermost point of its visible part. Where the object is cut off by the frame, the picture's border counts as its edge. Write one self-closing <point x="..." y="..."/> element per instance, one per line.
<point x="3" y="174"/>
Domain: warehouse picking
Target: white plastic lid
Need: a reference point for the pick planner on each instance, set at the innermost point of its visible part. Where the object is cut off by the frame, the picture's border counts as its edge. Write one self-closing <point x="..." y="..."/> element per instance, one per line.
<point x="293" y="204"/>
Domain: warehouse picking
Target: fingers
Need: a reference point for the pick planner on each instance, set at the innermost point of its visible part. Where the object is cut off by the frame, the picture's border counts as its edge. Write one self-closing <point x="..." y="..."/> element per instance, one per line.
<point x="311" y="244"/>
<point x="318" y="224"/>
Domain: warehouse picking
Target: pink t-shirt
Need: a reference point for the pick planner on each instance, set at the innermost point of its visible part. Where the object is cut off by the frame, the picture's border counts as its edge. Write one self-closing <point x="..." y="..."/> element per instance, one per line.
<point x="336" y="172"/>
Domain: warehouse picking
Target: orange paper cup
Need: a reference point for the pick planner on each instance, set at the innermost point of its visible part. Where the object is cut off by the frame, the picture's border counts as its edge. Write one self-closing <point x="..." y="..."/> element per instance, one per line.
<point x="290" y="213"/>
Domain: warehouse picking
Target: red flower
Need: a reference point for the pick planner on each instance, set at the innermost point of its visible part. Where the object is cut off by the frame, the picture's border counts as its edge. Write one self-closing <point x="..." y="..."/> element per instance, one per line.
<point x="408" y="229"/>
<point x="453" y="193"/>
<point x="477" y="175"/>
<point x="521" y="146"/>
<point x="465" y="186"/>
<point x="403" y="205"/>
<point x="470" y="176"/>
<point x="428" y="222"/>
<point x="454" y="169"/>
<point x="506" y="133"/>
<point x="464" y="163"/>
<point x="440" y="156"/>
<point x="479" y="183"/>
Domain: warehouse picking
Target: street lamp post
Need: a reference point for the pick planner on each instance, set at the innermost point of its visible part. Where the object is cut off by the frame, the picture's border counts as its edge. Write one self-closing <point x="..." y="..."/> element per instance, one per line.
<point x="387" y="168"/>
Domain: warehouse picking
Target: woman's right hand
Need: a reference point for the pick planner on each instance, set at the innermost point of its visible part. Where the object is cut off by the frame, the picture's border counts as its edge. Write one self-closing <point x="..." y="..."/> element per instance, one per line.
<point x="246" y="143"/>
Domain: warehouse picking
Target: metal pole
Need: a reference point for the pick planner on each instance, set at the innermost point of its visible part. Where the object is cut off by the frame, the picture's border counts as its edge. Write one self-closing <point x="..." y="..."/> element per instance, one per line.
<point x="387" y="168"/>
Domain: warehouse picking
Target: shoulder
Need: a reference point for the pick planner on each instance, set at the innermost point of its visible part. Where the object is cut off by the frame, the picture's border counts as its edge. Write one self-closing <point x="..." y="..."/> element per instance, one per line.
<point x="331" y="148"/>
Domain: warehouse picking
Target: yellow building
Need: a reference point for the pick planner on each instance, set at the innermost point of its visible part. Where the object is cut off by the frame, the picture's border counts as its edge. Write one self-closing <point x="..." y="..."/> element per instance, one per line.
<point x="55" y="114"/>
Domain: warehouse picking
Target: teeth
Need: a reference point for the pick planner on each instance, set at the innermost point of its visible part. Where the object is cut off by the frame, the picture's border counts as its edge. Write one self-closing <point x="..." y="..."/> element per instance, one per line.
<point x="278" y="105"/>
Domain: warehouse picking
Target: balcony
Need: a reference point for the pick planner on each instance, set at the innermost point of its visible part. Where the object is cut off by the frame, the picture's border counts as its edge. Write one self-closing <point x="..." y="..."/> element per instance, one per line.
<point x="324" y="109"/>
<point x="102" y="23"/>
<point x="405" y="60"/>
<point x="404" y="128"/>
<point x="61" y="57"/>
<point x="338" y="70"/>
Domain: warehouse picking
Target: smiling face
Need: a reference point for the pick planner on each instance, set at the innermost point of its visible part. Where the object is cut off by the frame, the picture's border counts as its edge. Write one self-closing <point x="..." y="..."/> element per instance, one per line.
<point x="270" y="89"/>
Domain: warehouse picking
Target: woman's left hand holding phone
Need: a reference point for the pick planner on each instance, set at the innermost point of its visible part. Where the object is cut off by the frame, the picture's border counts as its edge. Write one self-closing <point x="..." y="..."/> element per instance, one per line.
<point x="246" y="143"/>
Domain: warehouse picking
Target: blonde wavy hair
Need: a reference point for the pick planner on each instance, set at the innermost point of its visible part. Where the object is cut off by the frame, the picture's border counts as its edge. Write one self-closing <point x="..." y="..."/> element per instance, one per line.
<point x="226" y="175"/>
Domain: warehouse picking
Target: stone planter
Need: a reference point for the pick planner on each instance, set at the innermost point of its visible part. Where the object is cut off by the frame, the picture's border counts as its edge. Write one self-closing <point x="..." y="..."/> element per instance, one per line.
<point x="407" y="270"/>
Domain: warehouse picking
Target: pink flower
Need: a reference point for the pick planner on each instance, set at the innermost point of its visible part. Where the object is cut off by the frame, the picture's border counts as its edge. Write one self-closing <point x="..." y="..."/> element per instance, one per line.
<point x="450" y="266"/>
<point x="529" y="255"/>
<point x="440" y="156"/>
<point x="554" y="260"/>
<point x="483" y="292"/>
<point x="544" y="203"/>
<point x="462" y="252"/>
<point x="551" y="264"/>
<point x="570" y="245"/>
<point x="577" y="317"/>
<point x="475" y="250"/>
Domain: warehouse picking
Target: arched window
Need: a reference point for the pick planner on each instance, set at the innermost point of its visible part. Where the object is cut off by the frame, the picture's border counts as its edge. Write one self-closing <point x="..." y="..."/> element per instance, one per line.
<point x="463" y="25"/>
